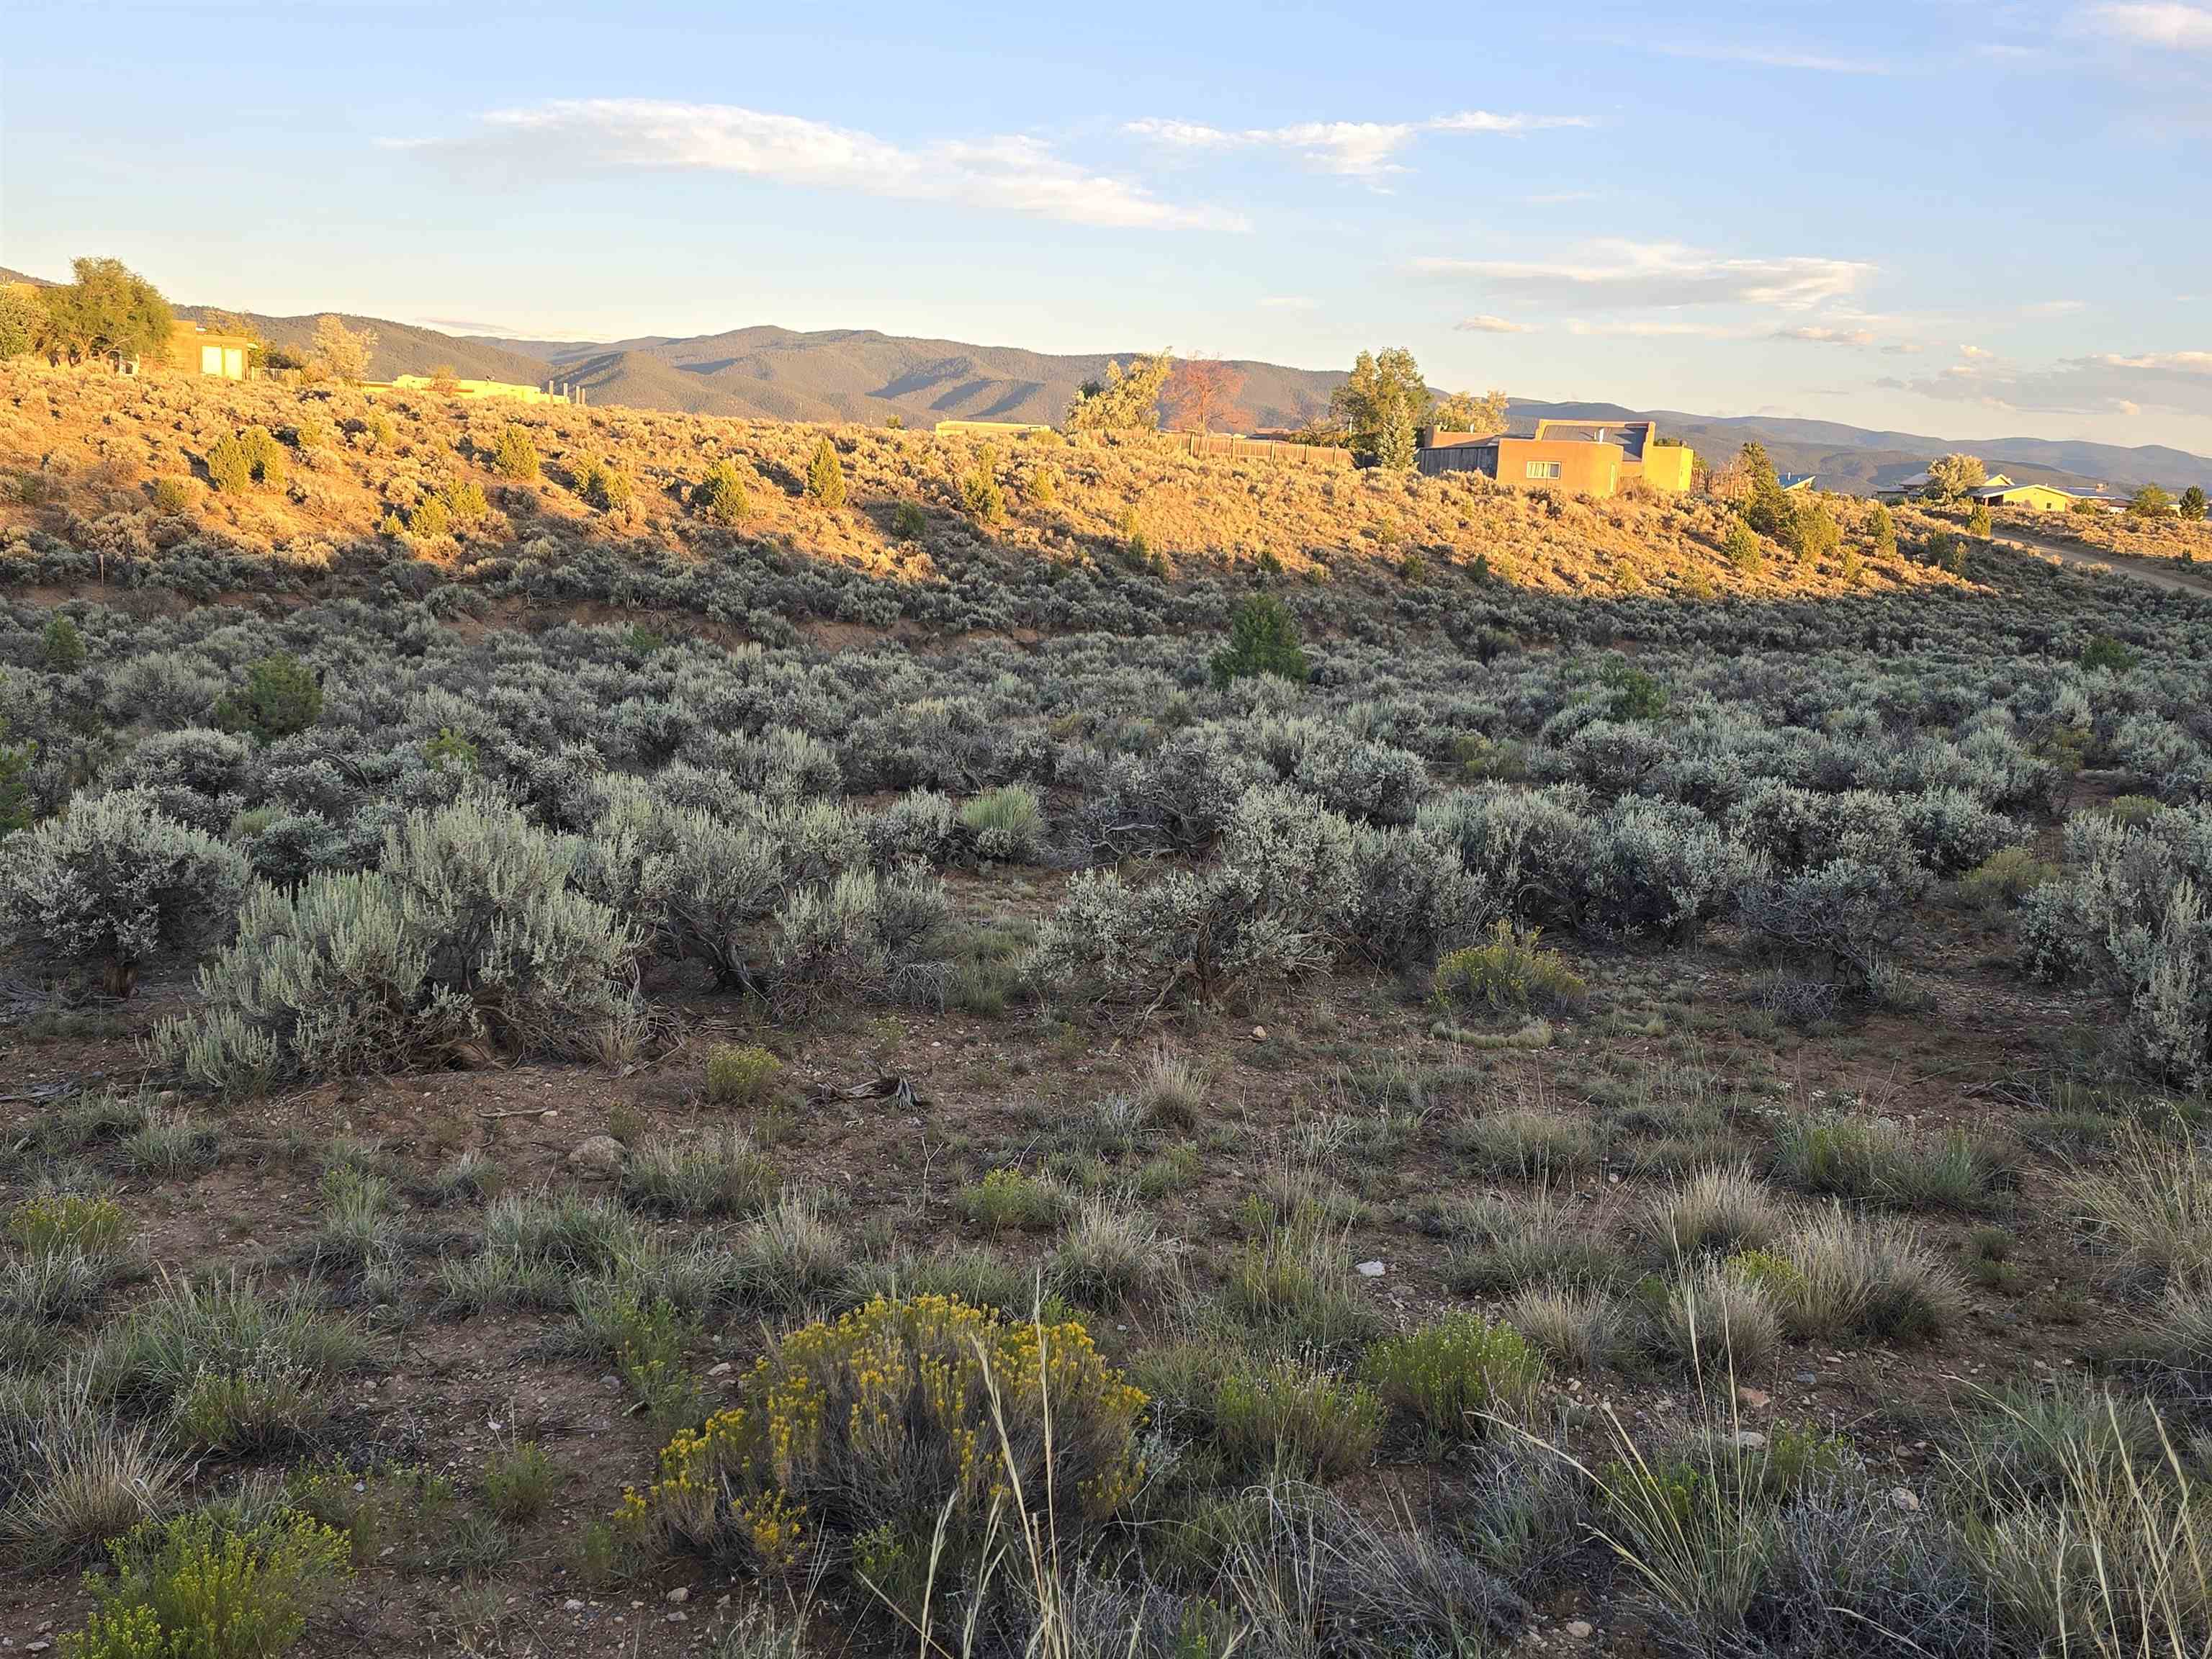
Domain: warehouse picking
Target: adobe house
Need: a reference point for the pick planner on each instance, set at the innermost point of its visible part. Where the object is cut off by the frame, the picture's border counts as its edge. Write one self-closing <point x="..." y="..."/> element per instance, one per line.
<point x="197" y="351"/>
<point x="1585" y="457"/>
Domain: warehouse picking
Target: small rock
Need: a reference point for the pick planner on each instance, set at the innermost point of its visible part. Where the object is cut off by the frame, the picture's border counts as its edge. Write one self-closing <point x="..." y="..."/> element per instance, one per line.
<point x="679" y="1617"/>
<point x="679" y="1596"/>
<point x="1806" y="1378"/>
<point x="722" y="1369"/>
<point x="572" y="1605"/>
<point x="599" y="1158"/>
<point x="1906" y="1498"/>
<point x="1370" y="1270"/>
<point x="1757" y="1399"/>
<point x="1259" y="1034"/>
<point x="1747" y="1440"/>
<point x="1580" y="1629"/>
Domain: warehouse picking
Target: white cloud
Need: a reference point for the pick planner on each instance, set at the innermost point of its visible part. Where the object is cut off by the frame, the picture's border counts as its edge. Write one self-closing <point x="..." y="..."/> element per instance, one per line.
<point x="2053" y="308"/>
<point x="2176" y="27"/>
<point x="1645" y="328"/>
<point x="1488" y="325"/>
<point x="1012" y="174"/>
<point x="1975" y="351"/>
<point x="1816" y="335"/>
<point x="1290" y="302"/>
<point x="1360" y="149"/>
<point x="2178" y="382"/>
<point x="1663" y="274"/>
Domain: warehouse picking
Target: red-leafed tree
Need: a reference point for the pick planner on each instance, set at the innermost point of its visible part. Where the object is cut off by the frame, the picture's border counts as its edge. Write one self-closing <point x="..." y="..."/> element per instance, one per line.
<point x="1202" y="394"/>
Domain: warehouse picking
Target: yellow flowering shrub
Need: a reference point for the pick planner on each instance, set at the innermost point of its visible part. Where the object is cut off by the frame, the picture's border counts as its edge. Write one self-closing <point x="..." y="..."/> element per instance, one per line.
<point x="879" y="1419"/>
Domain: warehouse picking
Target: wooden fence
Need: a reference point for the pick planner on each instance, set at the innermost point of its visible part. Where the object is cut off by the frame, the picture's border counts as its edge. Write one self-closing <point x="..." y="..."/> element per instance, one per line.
<point x="1274" y="452"/>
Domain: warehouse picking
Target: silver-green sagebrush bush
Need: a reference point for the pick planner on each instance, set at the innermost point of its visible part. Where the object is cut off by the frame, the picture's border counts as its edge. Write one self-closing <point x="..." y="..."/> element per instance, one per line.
<point x="112" y="883"/>
<point x="2133" y="913"/>
<point x="469" y="931"/>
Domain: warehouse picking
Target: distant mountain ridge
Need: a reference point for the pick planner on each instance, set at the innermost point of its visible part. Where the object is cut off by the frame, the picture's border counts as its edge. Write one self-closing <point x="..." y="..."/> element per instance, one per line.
<point x="864" y="375"/>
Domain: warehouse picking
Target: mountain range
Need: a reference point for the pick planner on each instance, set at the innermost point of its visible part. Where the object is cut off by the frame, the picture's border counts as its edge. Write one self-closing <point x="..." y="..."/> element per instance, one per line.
<point x="859" y="374"/>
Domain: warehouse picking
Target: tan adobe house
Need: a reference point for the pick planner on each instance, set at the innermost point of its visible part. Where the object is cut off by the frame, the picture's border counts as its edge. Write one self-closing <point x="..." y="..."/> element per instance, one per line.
<point x="1584" y="457"/>
<point x="197" y="351"/>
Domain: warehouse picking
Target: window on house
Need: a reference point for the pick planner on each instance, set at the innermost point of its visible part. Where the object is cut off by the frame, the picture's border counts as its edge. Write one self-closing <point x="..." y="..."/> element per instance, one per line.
<point x="1543" y="469"/>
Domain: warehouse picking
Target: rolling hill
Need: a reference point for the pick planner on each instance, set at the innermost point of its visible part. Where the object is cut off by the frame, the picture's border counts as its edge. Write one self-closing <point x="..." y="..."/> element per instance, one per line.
<point x="862" y="375"/>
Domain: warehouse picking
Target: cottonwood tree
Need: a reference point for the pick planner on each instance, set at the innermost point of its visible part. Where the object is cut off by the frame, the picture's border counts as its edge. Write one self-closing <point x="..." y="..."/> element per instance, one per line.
<point x="1126" y="400"/>
<point x="1951" y="477"/>
<point x="340" y="353"/>
<point x="22" y="319"/>
<point x="1462" y="411"/>
<point x="109" y="311"/>
<point x="1381" y="406"/>
<point x="2149" y="502"/>
<point x="1203" y="393"/>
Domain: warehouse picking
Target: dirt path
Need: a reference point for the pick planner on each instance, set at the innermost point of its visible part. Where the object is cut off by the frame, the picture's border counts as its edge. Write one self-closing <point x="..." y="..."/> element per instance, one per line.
<point x="2167" y="574"/>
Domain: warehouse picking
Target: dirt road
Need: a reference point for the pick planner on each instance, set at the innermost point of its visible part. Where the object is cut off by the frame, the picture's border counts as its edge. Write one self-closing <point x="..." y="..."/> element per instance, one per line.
<point x="2168" y="573"/>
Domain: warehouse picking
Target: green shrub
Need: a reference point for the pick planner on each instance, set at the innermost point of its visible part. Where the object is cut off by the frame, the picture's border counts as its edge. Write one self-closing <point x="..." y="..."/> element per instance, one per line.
<point x="2005" y="878"/>
<point x="173" y="494"/>
<point x="605" y="485"/>
<point x="515" y="455"/>
<point x="1294" y="1280"/>
<point x="52" y="1222"/>
<point x="1005" y="823"/>
<point x="429" y="519"/>
<point x="1742" y="548"/>
<point x="744" y="1076"/>
<point x="720" y="497"/>
<point x="111" y="883"/>
<point x="282" y="694"/>
<point x="825" y="475"/>
<point x="980" y="493"/>
<point x="904" y="1422"/>
<point x="908" y="522"/>
<point x="207" y="1586"/>
<point x="1263" y="639"/>
<point x="469" y="929"/>
<point x="1007" y="1200"/>
<point x="2103" y="650"/>
<point x="1291" y="1420"/>
<point x="1044" y="486"/>
<point x="464" y="503"/>
<point x="1444" y="1378"/>
<point x="519" y="1481"/>
<point x="235" y="464"/>
<point x="62" y="645"/>
<point x="1509" y="972"/>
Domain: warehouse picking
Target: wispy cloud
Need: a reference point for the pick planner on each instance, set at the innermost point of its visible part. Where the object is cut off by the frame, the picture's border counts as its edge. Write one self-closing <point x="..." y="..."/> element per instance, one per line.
<point x="1813" y="334"/>
<point x="1648" y="328"/>
<point x="1488" y="325"/>
<point x="1290" y="302"/>
<point x="2179" y="382"/>
<point x="1777" y="57"/>
<point x="1360" y="149"/>
<point x="2176" y="27"/>
<point x="1661" y="274"/>
<point x="1551" y="198"/>
<point x="1012" y="174"/>
<point x="467" y="325"/>
<point x="2052" y="307"/>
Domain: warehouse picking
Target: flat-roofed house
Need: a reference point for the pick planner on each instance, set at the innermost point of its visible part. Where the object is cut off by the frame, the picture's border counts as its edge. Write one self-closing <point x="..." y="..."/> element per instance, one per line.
<point x="1584" y="457"/>
<point x="197" y="350"/>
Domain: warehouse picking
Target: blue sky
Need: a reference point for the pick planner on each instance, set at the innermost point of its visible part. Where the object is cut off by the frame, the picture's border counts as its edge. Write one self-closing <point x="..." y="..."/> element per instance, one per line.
<point x="1968" y="220"/>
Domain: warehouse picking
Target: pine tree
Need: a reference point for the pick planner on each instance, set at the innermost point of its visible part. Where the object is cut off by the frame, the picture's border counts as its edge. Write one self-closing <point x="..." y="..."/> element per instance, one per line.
<point x="515" y="455"/>
<point x="1263" y="639"/>
<point x="825" y="475"/>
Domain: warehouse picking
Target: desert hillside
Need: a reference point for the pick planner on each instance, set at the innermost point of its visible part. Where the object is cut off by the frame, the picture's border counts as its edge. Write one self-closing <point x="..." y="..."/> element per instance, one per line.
<point x="645" y="1033"/>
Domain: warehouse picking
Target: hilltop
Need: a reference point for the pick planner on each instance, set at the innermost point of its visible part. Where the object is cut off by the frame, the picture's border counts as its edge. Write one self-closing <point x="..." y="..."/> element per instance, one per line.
<point x="863" y="375"/>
